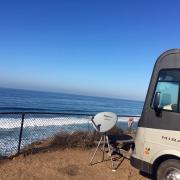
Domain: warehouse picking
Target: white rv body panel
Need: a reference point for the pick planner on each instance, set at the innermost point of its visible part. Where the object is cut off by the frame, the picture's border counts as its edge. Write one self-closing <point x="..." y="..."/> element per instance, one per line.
<point x="154" y="143"/>
<point x="139" y="141"/>
<point x="159" y="142"/>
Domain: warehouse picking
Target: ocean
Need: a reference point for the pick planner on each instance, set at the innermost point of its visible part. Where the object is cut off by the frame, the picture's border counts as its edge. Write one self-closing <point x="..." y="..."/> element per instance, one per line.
<point x="13" y="100"/>
<point x="42" y="126"/>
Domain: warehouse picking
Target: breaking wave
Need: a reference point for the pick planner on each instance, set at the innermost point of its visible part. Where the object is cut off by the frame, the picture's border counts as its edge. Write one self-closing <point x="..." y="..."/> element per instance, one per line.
<point x="9" y="123"/>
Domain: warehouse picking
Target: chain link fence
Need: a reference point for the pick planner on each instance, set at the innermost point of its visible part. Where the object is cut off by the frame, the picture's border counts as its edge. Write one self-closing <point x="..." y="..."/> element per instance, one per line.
<point x="18" y="130"/>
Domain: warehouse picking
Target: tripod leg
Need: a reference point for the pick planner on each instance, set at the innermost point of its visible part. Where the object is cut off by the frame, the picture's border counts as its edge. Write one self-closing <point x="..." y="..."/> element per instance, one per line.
<point x="104" y="143"/>
<point x="110" y="151"/>
<point x="95" y="151"/>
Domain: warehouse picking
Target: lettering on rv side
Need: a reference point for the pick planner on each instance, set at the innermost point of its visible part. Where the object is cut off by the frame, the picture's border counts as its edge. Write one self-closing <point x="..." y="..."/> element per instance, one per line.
<point x="171" y="139"/>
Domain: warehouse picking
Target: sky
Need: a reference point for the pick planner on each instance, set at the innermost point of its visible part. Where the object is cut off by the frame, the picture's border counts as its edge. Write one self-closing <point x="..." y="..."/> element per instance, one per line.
<point x="90" y="47"/>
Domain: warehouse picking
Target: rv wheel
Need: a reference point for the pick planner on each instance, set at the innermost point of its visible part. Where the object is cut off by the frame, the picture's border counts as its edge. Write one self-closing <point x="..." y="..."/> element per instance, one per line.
<point x="169" y="170"/>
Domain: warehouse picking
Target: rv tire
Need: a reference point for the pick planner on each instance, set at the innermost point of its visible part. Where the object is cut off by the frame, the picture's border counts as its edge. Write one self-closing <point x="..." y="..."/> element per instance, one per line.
<point x="169" y="169"/>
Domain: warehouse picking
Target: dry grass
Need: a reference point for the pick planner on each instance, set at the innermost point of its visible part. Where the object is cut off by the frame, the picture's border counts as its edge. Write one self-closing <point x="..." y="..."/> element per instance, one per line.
<point x="63" y="140"/>
<point x="81" y="140"/>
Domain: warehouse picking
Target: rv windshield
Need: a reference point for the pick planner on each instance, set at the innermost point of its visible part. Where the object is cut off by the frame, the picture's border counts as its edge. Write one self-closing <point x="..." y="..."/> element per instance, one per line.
<point x="168" y="86"/>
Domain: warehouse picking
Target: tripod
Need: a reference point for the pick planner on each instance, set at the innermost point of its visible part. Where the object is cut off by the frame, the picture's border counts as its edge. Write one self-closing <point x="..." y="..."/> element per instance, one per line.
<point x="104" y="140"/>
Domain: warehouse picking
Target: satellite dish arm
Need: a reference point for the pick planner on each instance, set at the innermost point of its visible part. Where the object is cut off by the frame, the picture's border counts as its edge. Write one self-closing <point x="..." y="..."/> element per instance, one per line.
<point x="97" y="126"/>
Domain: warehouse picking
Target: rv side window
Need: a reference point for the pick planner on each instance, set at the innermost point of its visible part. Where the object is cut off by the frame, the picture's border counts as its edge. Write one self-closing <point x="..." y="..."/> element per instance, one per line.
<point x="168" y="86"/>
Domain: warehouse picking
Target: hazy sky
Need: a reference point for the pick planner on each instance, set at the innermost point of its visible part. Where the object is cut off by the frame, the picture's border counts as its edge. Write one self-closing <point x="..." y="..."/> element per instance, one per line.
<point x="92" y="47"/>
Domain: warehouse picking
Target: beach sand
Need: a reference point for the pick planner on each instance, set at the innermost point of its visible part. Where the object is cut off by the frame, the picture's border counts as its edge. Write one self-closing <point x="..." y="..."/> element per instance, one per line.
<point x="64" y="165"/>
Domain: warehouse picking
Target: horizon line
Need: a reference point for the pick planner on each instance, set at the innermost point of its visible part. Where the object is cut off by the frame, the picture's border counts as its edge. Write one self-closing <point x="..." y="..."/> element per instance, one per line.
<point x="70" y="93"/>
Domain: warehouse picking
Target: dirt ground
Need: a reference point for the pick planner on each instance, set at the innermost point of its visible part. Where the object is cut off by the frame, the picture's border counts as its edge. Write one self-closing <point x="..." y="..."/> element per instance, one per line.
<point x="64" y="165"/>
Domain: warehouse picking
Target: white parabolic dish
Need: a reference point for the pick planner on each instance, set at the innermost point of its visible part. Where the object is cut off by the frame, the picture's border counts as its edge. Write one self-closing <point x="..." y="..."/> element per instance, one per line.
<point x="104" y="121"/>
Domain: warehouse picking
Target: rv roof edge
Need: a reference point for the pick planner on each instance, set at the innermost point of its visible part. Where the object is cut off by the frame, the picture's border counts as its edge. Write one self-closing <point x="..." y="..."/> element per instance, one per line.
<point x="167" y="52"/>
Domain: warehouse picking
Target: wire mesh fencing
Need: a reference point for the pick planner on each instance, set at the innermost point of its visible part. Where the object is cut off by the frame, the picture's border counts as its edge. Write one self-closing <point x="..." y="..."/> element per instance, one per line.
<point x="18" y="130"/>
<point x="46" y="126"/>
<point x="9" y="133"/>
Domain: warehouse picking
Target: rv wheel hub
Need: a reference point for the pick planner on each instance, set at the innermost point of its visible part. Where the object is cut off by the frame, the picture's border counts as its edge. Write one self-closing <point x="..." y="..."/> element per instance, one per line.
<point x="173" y="174"/>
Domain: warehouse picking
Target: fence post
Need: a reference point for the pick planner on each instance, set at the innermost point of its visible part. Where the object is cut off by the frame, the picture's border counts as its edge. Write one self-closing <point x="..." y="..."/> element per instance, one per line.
<point x="20" y="134"/>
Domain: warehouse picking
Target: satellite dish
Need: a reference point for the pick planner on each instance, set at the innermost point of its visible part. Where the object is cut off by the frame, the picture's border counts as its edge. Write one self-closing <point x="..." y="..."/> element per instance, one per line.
<point x="104" y="121"/>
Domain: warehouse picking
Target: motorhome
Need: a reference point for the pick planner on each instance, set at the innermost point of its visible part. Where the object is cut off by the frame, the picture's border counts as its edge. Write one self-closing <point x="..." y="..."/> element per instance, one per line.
<point x="157" y="142"/>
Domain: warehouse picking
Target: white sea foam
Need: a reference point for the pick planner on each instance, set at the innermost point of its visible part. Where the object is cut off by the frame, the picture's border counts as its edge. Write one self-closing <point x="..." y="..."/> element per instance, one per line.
<point x="9" y="123"/>
<point x="125" y="119"/>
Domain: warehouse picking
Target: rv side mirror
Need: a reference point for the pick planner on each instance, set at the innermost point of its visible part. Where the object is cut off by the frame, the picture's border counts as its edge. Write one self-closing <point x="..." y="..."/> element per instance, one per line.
<point x="156" y="103"/>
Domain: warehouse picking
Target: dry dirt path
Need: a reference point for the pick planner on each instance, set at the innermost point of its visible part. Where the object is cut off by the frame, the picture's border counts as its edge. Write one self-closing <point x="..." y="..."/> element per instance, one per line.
<point x="64" y="165"/>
